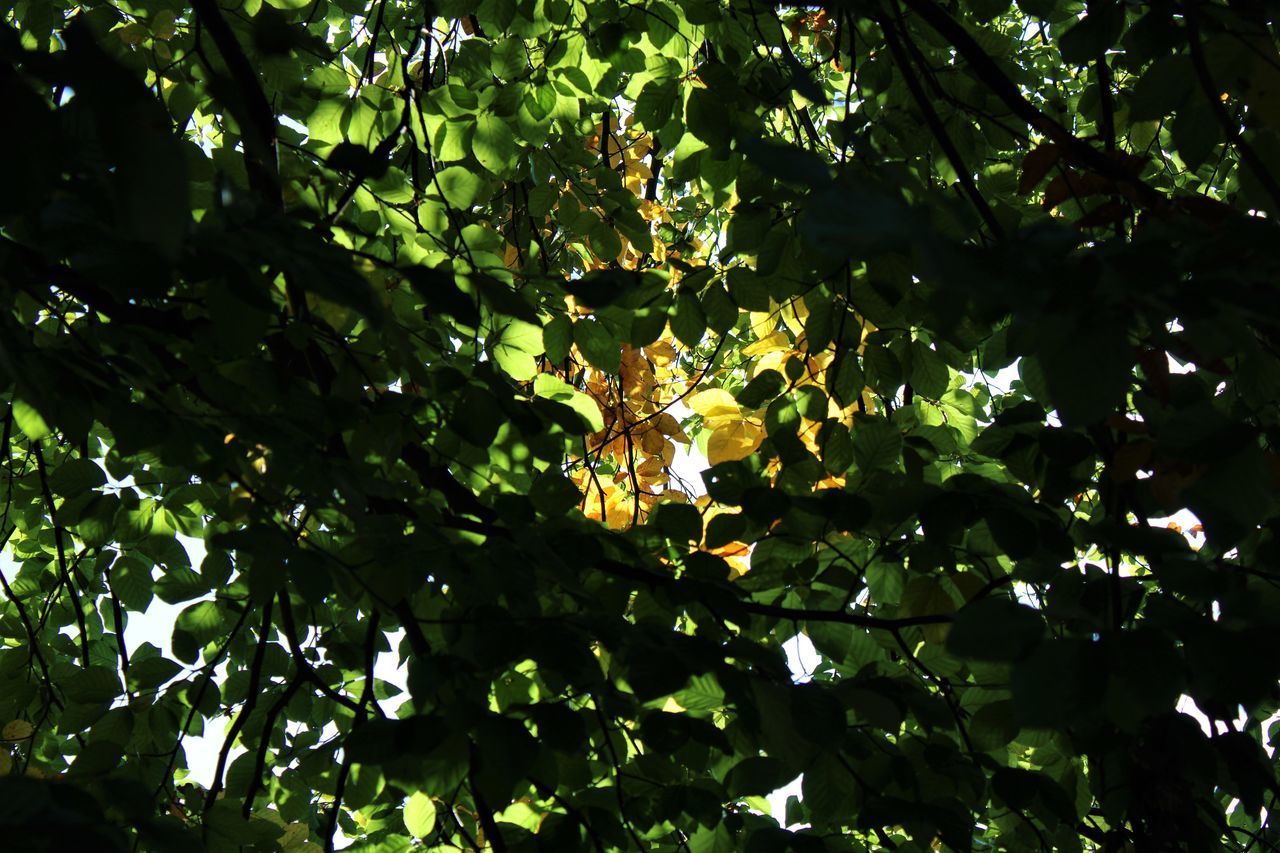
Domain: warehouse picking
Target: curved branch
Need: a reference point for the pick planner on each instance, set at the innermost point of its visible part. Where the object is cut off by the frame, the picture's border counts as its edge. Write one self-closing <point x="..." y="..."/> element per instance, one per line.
<point x="305" y="669"/>
<point x="1229" y="126"/>
<point x="256" y="118"/>
<point x="985" y="69"/>
<point x="250" y="701"/>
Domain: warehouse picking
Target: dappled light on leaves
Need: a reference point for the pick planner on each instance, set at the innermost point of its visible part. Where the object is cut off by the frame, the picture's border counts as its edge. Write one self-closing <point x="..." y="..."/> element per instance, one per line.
<point x="673" y="425"/>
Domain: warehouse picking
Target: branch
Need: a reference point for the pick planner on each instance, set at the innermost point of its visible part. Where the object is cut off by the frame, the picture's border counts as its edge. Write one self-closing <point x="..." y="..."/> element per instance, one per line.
<point x="1229" y="126"/>
<point x="985" y="68"/>
<point x="862" y="621"/>
<point x="791" y="613"/>
<point x="382" y="151"/>
<point x="366" y="695"/>
<point x="483" y="812"/>
<point x="63" y="572"/>
<point x="939" y="132"/>
<point x="117" y="613"/>
<point x="250" y="701"/>
<point x="256" y="118"/>
<point x="197" y="699"/>
<point x="305" y="670"/>
<point x="260" y="762"/>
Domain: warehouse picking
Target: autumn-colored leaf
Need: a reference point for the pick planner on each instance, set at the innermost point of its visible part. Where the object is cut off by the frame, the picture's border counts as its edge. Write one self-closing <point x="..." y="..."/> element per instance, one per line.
<point x="1036" y="165"/>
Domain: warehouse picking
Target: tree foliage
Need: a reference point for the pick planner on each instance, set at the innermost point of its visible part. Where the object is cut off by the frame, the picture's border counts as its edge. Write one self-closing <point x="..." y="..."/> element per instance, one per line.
<point x="363" y="337"/>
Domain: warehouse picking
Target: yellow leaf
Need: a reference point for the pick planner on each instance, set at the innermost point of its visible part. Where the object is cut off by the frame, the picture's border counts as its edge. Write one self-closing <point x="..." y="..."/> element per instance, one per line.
<point x="649" y="468"/>
<point x="661" y="353"/>
<point x="669" y="426"/>
<point x="773" y="361"/>
<point x="773" y="342"/>
<point x="164" y="25"/>
<point x="734" y="441"/>
<point x="794" y="313"/>
<point x="651" y="441"/>
<point x="17" y="730"/>
<point x="131" y="34"/>
<point x="763" y="322"/>
<point x="713" y="402"/>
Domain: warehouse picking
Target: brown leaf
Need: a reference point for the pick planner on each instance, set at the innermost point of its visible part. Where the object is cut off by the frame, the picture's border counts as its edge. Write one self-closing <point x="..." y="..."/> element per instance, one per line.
<point x="1155" y="367"/>
<point x="1171" y="478"/>
<point x="1107" y="213"/>
<point x="1129" y="459"/>
<point x="1206" y="209"/>
<point x="1120" y="423"/>
<point x="1074" y="185"/>
<point x="1036" y="165"/>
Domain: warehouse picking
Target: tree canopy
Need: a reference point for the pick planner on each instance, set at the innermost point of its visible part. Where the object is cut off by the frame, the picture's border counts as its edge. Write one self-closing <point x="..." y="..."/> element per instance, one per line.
<point x="367" y="338"/>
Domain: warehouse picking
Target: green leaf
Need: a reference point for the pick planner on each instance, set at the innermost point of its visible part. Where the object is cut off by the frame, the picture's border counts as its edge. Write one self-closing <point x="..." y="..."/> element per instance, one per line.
<point x="1163" y="88"/>
<point x="515" y="348"/>
<point x="95" y="684"/>
<point x="1093" y="35"/>
<point x="995" y="629"/>
<point x="557" y="338"/>
<point x="689" y="323"/>
<point x="720" y="310"/>
<point x="715" y="839"/>
<point x="151" y="673"/>
<point x="655" y="104"/>
<point x="761" y="389"/>
<point x="757" y="776"/>
<point x="679" y="522"/>
<point x="1088" y="371"/>
<point x="1196" y="132"/>
<point x="598" y="345"/>
<point x="203" y="621"/>
<point x="928" y="375"/>
<point x="876" y="444"/>
<point x="420" y="814"/>
<point x="705" y="118"/>
<point x="76" y="476"/>
<point x="30" y="421"/>
<point x="460" y="185"/>
<point x="494" y="145"/>
<point x="703" y="693"/>
<point x="548" y="386"/>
